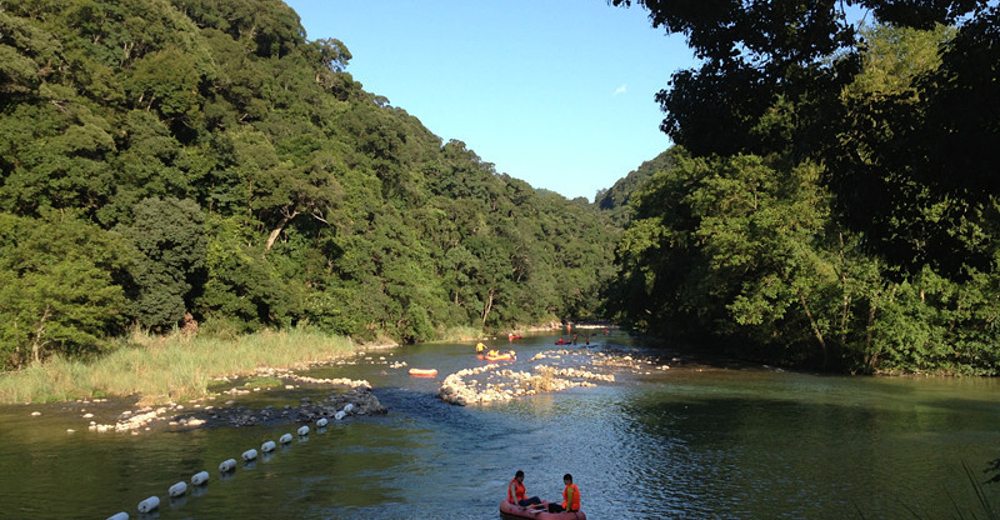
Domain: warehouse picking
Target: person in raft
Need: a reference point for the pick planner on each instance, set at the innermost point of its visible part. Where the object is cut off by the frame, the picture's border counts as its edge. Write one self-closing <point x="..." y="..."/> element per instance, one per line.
<point x="516" y="491"/>
<point x="571" y="497"/>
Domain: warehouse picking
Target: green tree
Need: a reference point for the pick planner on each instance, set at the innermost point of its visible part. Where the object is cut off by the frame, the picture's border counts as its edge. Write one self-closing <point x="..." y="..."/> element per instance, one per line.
<point x="58" y="290"/>
<point x="169" y="235"/>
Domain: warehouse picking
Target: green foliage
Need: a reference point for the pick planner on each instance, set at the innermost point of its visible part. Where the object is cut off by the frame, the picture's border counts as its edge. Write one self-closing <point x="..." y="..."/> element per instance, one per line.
<point x="169" y="235"/>
<point x="836" y="203"/>
<point x="57" y="287"/>
<point x="259" y="186"/>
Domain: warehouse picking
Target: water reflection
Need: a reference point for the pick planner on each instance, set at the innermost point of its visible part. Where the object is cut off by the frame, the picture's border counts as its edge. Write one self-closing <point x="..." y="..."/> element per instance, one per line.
<point x="682" y="444"/>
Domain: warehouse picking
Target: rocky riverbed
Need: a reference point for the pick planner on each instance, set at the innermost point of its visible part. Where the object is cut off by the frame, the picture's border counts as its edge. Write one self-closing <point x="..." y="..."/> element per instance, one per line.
<point x="553" y="371"/>
<point x="343" y="398"/>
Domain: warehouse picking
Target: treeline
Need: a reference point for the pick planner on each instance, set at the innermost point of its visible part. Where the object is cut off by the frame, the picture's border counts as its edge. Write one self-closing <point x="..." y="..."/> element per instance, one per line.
<point x="833" y="197"/>
<point x="166" y="163"/>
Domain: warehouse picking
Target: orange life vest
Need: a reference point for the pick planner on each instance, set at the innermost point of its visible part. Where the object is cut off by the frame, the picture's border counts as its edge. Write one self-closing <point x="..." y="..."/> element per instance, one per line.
<point x="574" y="492"/>
<point x="518" y="489"/>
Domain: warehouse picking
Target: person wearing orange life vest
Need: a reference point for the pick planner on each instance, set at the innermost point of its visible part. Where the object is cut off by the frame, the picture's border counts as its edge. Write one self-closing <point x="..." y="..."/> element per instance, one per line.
<point x="516" y="492"/>
<point x="571" y="497"/>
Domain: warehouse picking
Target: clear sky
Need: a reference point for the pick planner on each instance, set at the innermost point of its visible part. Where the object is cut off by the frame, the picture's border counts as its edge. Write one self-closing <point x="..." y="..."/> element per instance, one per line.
<point x="559" y="93"/>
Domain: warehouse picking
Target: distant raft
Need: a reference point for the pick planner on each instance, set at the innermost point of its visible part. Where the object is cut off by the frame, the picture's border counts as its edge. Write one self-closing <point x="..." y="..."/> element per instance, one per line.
<point x="506" y="356"/>
<point x="423" y="372"/>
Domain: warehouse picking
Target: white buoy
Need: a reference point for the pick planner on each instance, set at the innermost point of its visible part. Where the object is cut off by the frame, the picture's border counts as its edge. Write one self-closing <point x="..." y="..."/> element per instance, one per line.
<point x="249" y="455"/>
<point x="267" y="447"/>
<point x="119" y="516"/>
<point x="286" y="438"/>
<point x="199" y="478"/>
<point x="227" y="465"/>
<point x="149" y="504"/>
<point x="303" y="431"/>
<point x="349" y="407"/>
<point x="321" y="423"/>
<point x="178" y="489"/>
<point x="339" y="415"/>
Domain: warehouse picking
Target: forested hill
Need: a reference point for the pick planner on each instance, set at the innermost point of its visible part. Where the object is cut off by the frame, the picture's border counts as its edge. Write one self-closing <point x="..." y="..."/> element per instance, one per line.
<point x="833" y="199"/>
<point x="163" y="161"/>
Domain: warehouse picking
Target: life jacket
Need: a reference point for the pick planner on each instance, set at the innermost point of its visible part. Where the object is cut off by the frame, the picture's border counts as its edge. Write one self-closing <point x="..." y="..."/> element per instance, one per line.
<point x="575" y="491"/>
<point x="518" y="491"/>
<point x="480" y="347"/>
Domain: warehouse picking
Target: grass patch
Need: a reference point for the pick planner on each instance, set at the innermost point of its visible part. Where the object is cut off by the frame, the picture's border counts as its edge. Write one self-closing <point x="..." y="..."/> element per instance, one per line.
<point x="458" y="335"/>
<point x="168" y="368"/>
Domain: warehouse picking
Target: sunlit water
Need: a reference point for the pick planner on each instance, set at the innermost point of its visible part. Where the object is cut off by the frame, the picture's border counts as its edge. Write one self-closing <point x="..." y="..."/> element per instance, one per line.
<point x="681" y="444"/>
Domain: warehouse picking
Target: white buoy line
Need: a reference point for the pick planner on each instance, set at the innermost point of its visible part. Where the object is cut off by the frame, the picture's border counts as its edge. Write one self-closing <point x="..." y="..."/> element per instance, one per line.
<point x="228" y="466"/>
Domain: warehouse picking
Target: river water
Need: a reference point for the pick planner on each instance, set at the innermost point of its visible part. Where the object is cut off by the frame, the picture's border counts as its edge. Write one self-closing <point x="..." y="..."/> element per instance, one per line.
<point x="686" y="443"/>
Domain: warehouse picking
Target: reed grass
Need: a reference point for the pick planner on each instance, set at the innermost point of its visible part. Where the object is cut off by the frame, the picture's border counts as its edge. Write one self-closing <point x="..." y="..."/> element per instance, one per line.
<point x="168" y="368"/>
<point x="458" y="334"/>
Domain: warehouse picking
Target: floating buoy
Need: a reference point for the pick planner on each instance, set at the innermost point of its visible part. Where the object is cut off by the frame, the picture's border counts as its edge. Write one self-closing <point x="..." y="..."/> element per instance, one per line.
<point x="249" y="455"/>
<point x="119" y="516"/>
<point x="321" y="423"/>
<point x="267" y="447"/>
<point x="303" y="431"/>
<point x="199" y="478"/>
<point x="227" y="465"/>
<point x="149" y="504"/>
<point x="339" y="415"/>
<point x="423" y="372"/>
<point x="178" y="489"/>
<point x="286" y="438"/>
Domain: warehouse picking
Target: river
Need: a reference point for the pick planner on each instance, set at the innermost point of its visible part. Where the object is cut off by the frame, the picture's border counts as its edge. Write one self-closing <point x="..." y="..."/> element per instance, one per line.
<point x="686" y="443"/>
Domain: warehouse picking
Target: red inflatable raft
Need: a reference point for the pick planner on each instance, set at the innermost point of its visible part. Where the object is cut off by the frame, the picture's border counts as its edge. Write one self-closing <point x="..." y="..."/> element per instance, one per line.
<point x="526" y="512"/>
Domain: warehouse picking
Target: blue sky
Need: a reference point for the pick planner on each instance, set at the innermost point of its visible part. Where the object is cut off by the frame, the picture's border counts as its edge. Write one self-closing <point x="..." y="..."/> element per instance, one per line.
<point x="558" y="93"/>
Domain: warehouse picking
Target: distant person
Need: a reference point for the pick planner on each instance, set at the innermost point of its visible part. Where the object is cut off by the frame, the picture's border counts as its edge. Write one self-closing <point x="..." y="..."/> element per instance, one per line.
<point x="480" y="347"/>
<point x="516" y="492"/>
<point x="571" y="497"/>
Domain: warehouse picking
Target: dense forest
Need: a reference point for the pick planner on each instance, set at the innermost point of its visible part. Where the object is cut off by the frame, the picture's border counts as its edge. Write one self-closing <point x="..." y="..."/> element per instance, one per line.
<point x="832" y="197"/>
<point x="831" y="200"/>
<point x="179" y="163"/>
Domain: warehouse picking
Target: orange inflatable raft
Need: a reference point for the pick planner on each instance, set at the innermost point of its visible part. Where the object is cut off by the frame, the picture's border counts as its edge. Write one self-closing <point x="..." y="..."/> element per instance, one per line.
<point x="423" y="372"/>
<point x="526" y="512"/>
<point x="506" y="356"/>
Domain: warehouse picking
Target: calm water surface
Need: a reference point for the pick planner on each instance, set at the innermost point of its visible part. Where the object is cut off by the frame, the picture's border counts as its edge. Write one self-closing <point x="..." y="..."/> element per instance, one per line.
<point x="679" y="444"/>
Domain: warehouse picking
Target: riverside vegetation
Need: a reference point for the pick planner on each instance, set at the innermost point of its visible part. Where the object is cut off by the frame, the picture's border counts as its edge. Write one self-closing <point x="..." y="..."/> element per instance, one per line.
<point x="830" y="202"/>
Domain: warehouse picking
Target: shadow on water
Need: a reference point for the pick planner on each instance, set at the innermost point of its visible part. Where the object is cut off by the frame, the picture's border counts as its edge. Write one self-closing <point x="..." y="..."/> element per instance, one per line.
<point x="678" y="444"/>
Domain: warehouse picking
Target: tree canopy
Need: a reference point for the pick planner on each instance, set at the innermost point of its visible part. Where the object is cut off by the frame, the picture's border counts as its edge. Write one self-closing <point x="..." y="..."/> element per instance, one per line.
<point x="833" y="198"/>
<point x="166" y="157"/>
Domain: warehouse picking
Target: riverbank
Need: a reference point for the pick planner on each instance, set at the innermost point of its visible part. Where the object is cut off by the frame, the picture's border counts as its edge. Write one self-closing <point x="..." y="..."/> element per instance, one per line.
<point x="167" y="369"/>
